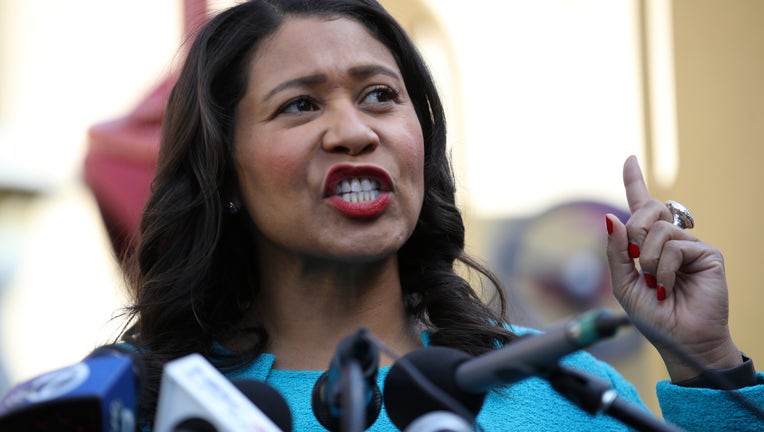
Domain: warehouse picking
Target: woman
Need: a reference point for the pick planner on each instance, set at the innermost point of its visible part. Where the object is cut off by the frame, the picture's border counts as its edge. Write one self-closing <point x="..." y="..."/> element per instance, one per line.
<point x="304" y="191"/>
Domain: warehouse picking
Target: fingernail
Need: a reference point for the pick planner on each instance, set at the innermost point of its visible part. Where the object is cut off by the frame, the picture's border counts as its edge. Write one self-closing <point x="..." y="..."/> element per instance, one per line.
<point x="650" y="280"/>
<point x="609" y="225"/>
<point x="633" y="250"/>
<point x="661" y="293"/>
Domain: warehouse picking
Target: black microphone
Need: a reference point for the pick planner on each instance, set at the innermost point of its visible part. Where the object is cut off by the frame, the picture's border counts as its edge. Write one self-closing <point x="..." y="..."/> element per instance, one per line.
<point x="440" y="421"/>
<point x="346" y="397"/>
<point x="97" y="394"/>
<point x="268" y="399"/>
<point x="263" y="396"/>
<point x="594" y="395"/>
<point x="196" y="397"/>
<point x="533" y="353"/>
<point x="461" y="381"/>
<point x="194" y="424"/>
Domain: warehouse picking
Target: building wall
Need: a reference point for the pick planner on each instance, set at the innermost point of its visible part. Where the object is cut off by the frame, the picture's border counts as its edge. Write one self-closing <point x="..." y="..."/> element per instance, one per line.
<point x="717" y="51"/>
<point x="719" y="63"/>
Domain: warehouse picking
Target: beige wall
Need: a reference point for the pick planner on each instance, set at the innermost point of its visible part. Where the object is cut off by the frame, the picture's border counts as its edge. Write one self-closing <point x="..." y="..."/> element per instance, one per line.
<point x="718" y="48"/>
<point x="719" y="63"/>
<point x="720" y="95"/>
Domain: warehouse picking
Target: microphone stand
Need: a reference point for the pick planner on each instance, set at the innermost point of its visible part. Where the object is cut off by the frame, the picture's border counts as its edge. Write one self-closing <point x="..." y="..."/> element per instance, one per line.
<point x="346" y="398"/>
<point x="594" y="395"/>
<point x="352" y="401"/>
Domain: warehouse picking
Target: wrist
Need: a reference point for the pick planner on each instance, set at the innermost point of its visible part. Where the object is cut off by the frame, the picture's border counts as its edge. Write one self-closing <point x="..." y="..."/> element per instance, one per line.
<point x="722" y="356"/>
<point x="731" y="378"/>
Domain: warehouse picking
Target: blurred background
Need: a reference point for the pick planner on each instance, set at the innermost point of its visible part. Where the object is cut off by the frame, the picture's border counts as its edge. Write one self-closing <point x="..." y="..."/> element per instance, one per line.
<point x="546" y="99"/>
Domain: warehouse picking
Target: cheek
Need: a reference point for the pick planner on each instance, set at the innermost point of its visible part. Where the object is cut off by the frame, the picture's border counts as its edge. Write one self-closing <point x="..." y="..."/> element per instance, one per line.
<point x="282" y="168"/>
<point x="414" y="153"/>
<point x="265" y="168"/>
<point x="410" y="154"/>
<point x="269" y="185"/>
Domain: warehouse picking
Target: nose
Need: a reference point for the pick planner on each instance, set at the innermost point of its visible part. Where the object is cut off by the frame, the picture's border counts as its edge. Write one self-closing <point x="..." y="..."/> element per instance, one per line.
<point x="348" y="132"/>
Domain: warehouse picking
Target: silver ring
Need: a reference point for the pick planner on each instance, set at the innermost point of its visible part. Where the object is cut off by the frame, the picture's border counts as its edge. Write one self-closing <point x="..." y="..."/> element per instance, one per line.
<point x="682" y="217"/>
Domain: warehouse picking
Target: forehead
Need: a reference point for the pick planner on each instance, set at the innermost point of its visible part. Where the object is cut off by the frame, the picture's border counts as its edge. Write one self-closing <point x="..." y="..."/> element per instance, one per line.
<point x="306" y="45"/>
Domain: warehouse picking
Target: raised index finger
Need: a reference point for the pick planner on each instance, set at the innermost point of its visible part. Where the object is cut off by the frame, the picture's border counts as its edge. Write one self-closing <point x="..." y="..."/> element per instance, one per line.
<point x="636" y="189"/>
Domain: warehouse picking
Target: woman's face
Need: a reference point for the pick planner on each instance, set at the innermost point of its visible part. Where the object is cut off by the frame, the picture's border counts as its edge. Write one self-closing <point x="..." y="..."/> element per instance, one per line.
<point x="328" y="147"/>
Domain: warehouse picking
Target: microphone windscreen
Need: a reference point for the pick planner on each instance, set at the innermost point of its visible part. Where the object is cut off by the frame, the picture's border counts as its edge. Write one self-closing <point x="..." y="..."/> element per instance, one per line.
<point x="269" y="400"/>
<point x="98" y="393"/>
<point x="406" y="399"/>
<point x="194" y="425"/>
<point x="440" y="421"/>
<point x="137" y="362"/>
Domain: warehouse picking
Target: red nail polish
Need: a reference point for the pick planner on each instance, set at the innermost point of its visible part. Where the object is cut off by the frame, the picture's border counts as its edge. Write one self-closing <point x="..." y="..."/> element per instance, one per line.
<point x="609" y="225"/>
<point x="650" y="280"/>
<point x="661" y="293"/>
<point x="633" y="250"/>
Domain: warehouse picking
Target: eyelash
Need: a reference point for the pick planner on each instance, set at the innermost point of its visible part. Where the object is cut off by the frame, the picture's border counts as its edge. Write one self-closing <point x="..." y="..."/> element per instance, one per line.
<point x="294" y="102"/>
<point x="390" y="93"/>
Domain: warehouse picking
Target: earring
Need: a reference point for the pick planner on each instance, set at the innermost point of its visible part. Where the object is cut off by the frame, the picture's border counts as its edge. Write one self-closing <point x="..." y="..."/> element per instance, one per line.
<point x="231" y="208"/>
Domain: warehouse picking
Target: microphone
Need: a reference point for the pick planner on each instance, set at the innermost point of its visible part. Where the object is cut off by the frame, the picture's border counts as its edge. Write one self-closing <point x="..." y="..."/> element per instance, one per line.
<point x="194" y="396"/>
<point x="346" y="397"/>
<point x="593" y="395"/>
<point x="260" y="394"/>
<point x="268" y="399"/>
<point x="97" y="394"/>
<point x="531" y="354"/>
<point x="440" y="421"/>
<point x="462" y="382"/>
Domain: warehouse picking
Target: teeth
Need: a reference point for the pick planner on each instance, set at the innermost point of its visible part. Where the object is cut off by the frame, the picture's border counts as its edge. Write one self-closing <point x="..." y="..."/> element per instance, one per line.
<point x="358" y="190"/>
<point x="365" y="184"/>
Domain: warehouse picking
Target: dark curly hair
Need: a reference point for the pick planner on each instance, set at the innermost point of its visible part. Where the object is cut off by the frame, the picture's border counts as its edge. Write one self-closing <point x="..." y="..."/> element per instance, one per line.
<point x="191" y="271"/>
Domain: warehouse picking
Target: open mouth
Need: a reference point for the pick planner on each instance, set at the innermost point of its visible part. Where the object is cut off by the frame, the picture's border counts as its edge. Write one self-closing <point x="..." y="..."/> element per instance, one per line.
<point x="357" y="184"/>
<point x="358" y="190"/>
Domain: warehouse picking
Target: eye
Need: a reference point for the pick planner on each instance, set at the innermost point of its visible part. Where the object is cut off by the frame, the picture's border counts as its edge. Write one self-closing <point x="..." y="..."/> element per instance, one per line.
<point x="380" y="95"/>
<point x="298" y="105"/>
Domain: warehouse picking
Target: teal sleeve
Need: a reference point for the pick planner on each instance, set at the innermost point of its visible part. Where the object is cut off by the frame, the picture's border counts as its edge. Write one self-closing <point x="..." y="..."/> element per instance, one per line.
<point x="702" y="409"/>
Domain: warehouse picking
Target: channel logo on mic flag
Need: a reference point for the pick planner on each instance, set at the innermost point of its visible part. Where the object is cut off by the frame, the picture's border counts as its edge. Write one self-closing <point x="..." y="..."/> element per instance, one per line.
<point x="96" y="394"/>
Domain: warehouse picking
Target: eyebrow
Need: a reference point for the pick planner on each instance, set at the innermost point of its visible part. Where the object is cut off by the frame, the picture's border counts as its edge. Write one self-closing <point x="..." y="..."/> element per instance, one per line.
<point x="311" y="80"/>
<point x="373" y="70"/>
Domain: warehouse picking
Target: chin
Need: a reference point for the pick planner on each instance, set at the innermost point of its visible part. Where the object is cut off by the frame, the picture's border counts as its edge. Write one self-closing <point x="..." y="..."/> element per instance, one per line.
<point x="362" y="256"/>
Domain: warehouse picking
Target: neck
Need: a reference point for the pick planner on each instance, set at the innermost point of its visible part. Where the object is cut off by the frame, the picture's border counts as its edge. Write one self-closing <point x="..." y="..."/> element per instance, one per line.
<point x="308" y="308"/>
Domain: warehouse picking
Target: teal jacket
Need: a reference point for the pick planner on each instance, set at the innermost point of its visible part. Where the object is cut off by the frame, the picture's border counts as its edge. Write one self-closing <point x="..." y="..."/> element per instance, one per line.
<point x="533" y="405"/>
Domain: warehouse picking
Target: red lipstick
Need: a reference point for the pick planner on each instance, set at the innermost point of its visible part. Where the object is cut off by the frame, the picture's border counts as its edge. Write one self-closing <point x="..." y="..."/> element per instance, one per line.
<point x="360" y="192"/>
